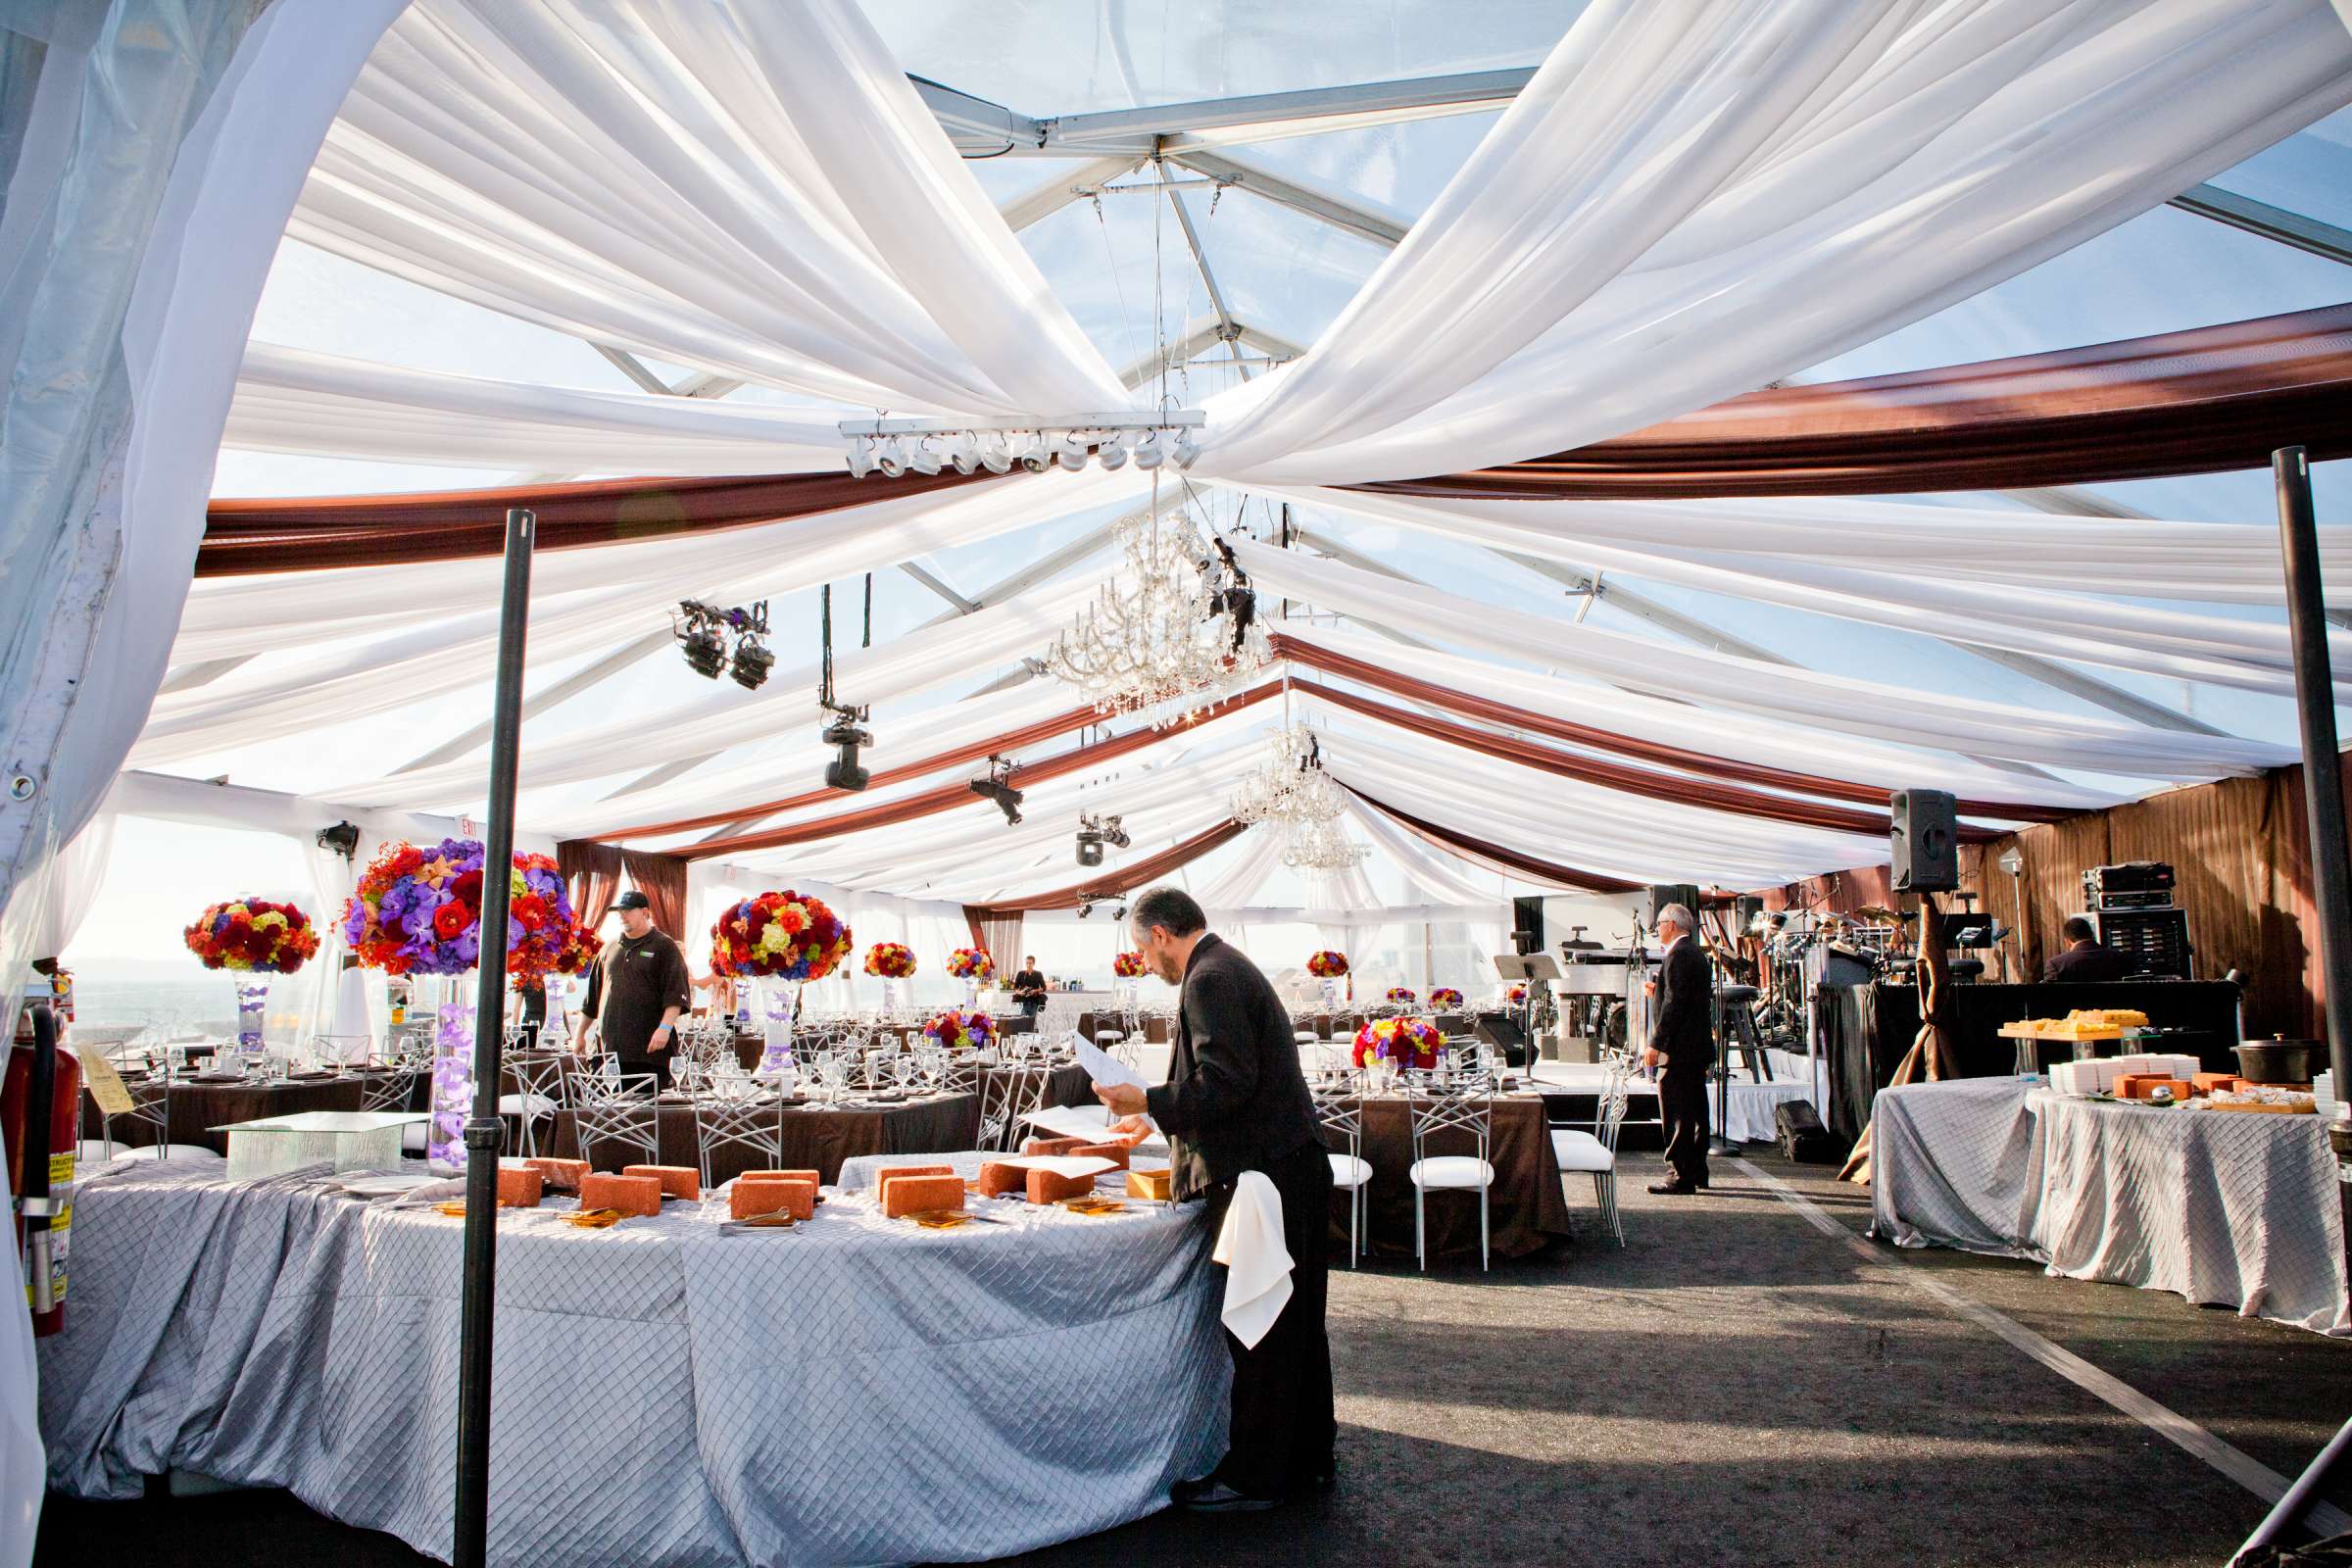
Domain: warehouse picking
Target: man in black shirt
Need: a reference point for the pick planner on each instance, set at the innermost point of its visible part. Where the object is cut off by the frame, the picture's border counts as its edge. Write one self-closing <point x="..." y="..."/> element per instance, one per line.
<point x="1236" y="1101"/>
<point x="2085" y="957"/>
<point x="1029" y="987"/>
<point x="637" y="987"/>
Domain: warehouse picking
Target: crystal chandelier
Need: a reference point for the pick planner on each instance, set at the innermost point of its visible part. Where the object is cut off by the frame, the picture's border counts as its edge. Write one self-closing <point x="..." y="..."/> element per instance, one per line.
<point x="1323" y="846"/>
<point x="1292" y="787"/>
<point x="1172" y="633"/>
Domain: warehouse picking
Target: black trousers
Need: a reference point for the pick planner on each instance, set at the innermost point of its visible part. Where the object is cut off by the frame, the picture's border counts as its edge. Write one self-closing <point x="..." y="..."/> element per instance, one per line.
<point x="1283" y="1426"/>
<point x="1682" y="1107"/>
<point x="640" y="1066"/>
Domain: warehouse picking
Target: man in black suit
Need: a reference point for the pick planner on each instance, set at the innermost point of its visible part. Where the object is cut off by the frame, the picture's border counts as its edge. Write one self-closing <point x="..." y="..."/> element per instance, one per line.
<point x="1682" y="1046"/>
<point x="2084" y="958"/>
<point x="1236" y="1101"/>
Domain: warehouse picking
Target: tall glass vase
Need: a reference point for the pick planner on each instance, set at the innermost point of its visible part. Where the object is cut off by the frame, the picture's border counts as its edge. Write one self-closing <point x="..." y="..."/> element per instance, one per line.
<point x="779" y="1003"/>
<point x="971" y="992"/>
<point x="253" y="1002"/>
<point x="892" y="1001"/>
<point x="1331" y="995"/>
<point x="452" y="1100"/>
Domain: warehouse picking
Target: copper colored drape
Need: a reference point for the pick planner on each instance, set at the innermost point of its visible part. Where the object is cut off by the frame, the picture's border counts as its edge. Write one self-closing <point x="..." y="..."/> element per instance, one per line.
<point x="1000" y="932"/>
<point x="1115" y="883"/>
<point x="1931" y="1054"/>
<point x="949" y="797"/>
<point x="307" y="532"/>
<point x="592" y="871"/>
<point x="2193" y="402"/>
<point x="661" y="878"/>
<point x="1488" y="710"/>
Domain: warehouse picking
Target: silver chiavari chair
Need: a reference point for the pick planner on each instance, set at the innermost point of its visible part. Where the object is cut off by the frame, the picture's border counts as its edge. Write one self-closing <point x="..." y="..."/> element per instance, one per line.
<point x="1595" y="1153"/>
<point x="1340" y="1109"/>
<point x="150" y="1107"/>
<point x="1450" y="1115"/>
<point x="1009" y="1095"/>
<point x="730" y="1120"/>
<point x="609" y="1107"/>
<point x="533" y="1089"/>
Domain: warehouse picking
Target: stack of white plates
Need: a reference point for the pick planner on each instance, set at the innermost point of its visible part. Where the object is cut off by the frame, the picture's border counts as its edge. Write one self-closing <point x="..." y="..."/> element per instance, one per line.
<point x="2322" y="1091"/>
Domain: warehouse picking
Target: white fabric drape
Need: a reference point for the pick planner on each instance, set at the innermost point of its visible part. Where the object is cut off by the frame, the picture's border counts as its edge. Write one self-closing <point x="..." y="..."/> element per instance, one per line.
<point x="1688" y="202"/>
<point x="2175" y="644"/>
<point x="295" y="401"/>
<point x="1830" y="702"/>
<point x="750" y="186"/>
<point x="1772" y="740"/>
<point x="81" y="872"/>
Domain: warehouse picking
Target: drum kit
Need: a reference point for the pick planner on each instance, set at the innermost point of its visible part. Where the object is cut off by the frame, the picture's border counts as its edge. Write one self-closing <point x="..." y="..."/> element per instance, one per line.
<point x="1800" y="950"/>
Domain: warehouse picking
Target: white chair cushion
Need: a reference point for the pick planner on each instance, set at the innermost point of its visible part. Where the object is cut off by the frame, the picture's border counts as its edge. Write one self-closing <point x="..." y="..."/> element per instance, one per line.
<point x="1451" y="1170"/>
<point x="1348" y="1171"/>
<point x="171" y="1152"/>
<point x="93" y="1151"/>
<point x="512" y="1105"/>
<point x="1581" y="1150"/>
<point x="411" y="1138"/>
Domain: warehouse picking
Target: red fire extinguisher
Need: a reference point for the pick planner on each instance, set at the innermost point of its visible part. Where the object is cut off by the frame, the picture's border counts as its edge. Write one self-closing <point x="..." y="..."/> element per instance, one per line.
<point x="40" y="1097"/>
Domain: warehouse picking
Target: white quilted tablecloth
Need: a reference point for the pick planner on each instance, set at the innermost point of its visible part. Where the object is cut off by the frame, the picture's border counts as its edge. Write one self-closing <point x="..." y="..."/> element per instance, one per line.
<point x="855" y="1390"/>
<point x="2225" y="1210"/>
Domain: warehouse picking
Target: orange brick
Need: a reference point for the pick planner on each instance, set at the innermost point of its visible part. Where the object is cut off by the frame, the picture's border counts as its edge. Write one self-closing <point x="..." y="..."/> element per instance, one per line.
<point x="919" y="1195"/>
<point x="520" y="1187"/>
<point x="798" y="1198"/>
<point x="559" y="1175"/>
<point x="1115" y="1152"/>
<point x="2206" y="1083"/>
<point x="808" y="1176"/>
<point x="892" y="1173"/>
<point x="996" y="1179"/>
<point x="677" y="1181"/>
<point x="1052" y="1145"/>
<point x="1044" y="1187"/>
<point x="631" y="1195"/>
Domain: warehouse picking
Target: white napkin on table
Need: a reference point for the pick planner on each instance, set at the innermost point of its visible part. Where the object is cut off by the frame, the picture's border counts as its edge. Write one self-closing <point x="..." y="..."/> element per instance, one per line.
<point x="1257" y="1265"/>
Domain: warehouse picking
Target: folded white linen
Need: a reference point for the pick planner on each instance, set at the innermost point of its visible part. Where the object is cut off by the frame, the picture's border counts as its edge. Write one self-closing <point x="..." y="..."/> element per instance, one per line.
<point x="1257" y="1265"/>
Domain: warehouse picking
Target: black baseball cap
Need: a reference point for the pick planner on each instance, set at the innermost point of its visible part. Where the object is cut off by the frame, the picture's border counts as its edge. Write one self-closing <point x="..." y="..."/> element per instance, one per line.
<point x="632" y="900"/>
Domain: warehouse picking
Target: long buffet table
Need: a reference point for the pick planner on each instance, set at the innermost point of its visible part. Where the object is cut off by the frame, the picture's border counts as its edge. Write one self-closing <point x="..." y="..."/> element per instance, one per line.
<point x="851" y="1390"/>
<point x="2225" y="1209"/>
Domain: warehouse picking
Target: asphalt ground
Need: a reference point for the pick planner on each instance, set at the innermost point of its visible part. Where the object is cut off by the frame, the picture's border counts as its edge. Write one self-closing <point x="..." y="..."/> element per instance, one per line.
<point x="1731" y="1387"/>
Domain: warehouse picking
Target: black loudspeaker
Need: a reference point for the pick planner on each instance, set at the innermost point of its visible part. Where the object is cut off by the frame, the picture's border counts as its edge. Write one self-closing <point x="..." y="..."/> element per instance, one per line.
<point x="1926" y="841"/>
<point x="1802" y="1137"/>
<point x="1745" y="910"/>
<point x="1527" y="925"/>
<point x="1657" y="898"/>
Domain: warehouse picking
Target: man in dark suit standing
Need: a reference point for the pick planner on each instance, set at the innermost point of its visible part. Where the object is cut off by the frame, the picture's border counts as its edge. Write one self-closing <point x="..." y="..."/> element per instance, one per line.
<point x="1236" y="1101"/>
<point x="1682" y="1046"/>
<point x="2085" y="957"/>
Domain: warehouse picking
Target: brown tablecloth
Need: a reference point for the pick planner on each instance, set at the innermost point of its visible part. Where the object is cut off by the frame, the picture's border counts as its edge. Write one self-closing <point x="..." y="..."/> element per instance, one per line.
<point x="815" y="1139"/>
<point x="1526" y="1208"/>
<point x="196" y="1108"/>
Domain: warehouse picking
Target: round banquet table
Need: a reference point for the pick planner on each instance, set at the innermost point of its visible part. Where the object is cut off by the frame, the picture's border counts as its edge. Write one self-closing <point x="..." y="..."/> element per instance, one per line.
<point x="197" y="1107"/>
<point x="851" y="1390"/>
<point x="820" y="1137"/>
<point x="1527" y="1206"/>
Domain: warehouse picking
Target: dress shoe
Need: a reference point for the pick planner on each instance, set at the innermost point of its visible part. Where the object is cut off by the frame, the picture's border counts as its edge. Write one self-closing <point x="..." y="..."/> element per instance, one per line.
<point x="1677" y="1189"/>
<point x="1208" y="1494"/>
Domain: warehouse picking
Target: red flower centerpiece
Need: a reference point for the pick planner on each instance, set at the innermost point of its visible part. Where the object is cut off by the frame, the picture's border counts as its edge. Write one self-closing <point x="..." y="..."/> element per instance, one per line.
<point x="779" y="937"/>
<point x="1445" y="998"/>
<point x="961" y="1029"/>
<point x="253" y="939"/>
<point x="1402" y="997"/>
<point x="972" y="966"/>
<point x="890" y="961"/>
<point x="1128" y="965"/>
<point x="1399" y="1043"/>
<point x="1516" y="995"/>
<point x="1328" y="965"/>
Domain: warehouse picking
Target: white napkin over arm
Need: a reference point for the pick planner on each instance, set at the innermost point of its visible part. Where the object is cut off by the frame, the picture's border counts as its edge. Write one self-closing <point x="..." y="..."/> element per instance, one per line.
<point x="1257" y="1265"/>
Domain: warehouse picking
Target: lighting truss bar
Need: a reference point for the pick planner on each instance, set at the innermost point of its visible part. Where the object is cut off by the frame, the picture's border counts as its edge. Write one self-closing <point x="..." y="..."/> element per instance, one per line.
<point x="1362" y="102"/>
<point x="1380" y="228"/>
<point x="2271" y="222"/>
<point x="1128" y="420"/>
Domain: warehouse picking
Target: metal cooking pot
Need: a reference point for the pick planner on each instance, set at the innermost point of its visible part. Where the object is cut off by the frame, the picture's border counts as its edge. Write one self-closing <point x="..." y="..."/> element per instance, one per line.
<point x="2276" y="1061"/>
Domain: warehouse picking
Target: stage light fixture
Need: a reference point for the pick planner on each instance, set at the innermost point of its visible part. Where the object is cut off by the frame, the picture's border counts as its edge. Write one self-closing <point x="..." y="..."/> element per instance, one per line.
<point x="861" y="460"/>
<point x="1188" y="451"/>
<point x="923" y="458"/>
<point x="1113" y="452"/>
<point x="995" y="455"/>
<point x="706" y="653"/>
<point x="843" y="735"/>
<point x="963" y="453"/>
<point x="890" y="459"/>
<point x="1070" y="453"/>
<point x="1085" y="909"/>
<point x="343" y="839"/>
<point x="997" y="788"/>
<point x="1119" y="913"/>
<point x="1033" y="456"/>
<point x="1148" y="452"/>
<point x="1090" y="840"/>
<point x="1113" y="834"/>
<point x="750" y="665"/>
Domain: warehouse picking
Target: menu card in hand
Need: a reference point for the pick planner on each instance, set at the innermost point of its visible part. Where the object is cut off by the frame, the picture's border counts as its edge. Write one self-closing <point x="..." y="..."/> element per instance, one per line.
<point x="1104" y="1068"/>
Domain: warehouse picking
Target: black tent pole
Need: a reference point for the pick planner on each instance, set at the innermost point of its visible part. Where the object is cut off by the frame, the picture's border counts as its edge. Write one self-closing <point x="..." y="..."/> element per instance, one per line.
<point x="484" y="1130"/>
<point x="2331" y="877"/>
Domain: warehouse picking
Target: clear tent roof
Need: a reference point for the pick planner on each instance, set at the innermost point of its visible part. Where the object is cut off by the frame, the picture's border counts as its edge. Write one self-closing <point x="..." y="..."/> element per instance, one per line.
<point x="1121" y="263"/>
